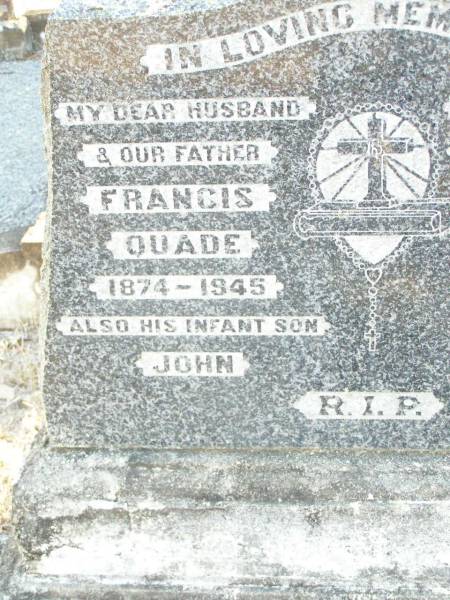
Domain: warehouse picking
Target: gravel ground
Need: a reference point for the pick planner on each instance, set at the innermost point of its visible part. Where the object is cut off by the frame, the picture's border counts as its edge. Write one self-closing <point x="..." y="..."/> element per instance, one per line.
<point x="23" y="192"/>
<point x="21" y="414"/>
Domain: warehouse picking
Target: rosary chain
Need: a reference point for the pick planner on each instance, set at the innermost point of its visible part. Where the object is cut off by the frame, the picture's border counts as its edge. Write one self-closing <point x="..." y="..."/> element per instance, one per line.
<point x="371" y="326"/>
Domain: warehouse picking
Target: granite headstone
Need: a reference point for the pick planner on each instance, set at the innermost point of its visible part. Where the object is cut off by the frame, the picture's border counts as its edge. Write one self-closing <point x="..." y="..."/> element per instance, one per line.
<point x="247" y="225"/>
<point x="245" y="325"/>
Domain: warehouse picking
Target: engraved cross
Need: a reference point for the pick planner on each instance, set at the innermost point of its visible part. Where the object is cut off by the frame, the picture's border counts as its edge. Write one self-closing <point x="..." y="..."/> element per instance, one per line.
<point x="376" y="147"/>
<point x="372" y="336"/>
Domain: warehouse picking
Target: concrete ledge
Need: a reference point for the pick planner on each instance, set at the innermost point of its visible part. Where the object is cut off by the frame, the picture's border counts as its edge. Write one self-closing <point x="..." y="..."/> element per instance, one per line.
<point x="90" y="590"/>
<point x="185" y="476"/>
<point x="281" y="524"/>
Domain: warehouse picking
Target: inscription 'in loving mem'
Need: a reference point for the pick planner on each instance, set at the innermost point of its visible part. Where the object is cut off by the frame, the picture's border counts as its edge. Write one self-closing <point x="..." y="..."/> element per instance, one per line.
<point x="315" y="22"/>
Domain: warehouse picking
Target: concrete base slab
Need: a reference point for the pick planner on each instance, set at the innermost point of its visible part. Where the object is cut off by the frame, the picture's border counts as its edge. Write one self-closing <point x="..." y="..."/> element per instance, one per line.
<point x="269" y="524"/>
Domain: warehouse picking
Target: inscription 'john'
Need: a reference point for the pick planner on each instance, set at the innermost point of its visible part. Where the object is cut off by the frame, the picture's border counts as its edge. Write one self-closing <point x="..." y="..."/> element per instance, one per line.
<point x="192" y="364"/>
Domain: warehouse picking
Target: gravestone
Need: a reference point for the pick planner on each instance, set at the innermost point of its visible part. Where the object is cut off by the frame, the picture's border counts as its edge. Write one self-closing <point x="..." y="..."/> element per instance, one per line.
<point x="246" y="291"/>
<point x="247" y="238"/>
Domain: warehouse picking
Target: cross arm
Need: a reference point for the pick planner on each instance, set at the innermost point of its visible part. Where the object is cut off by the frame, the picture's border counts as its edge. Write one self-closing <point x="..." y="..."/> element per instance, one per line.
<point x="356" y="146"/>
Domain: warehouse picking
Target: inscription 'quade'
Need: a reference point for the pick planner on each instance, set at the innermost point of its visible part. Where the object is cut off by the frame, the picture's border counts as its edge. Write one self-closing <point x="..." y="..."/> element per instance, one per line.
<point x="179" y="244"/>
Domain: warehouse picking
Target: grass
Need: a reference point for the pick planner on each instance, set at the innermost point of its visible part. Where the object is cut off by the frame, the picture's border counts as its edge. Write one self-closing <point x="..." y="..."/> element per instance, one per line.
<point x="19" y="358"/>
<point x="21" y="415"/>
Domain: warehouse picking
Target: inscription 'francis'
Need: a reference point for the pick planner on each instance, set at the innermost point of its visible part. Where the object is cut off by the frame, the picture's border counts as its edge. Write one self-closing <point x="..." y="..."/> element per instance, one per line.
<point x="178" y="198"/>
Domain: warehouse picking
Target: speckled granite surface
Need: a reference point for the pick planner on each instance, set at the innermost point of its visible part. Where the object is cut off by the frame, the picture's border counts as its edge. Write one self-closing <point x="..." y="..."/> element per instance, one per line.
<point x="354" y="235"/>
<point x="122" y="9"/>
<point x="23" y="177"/>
